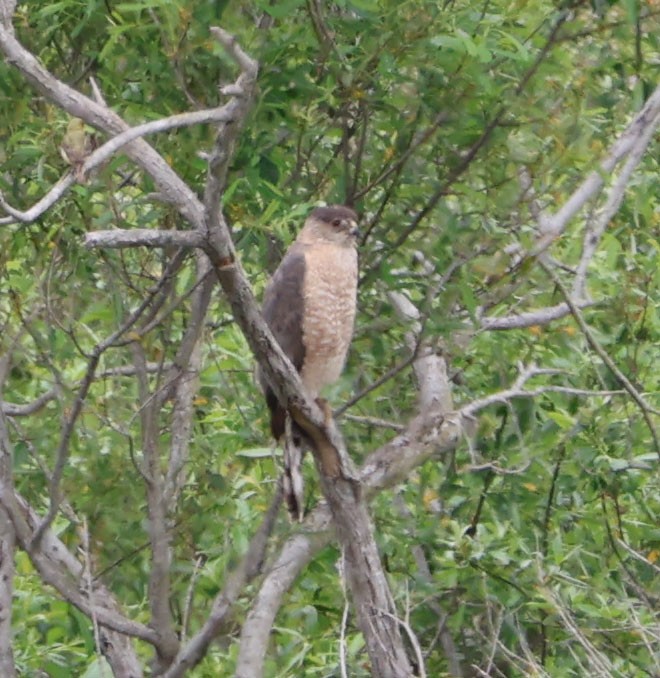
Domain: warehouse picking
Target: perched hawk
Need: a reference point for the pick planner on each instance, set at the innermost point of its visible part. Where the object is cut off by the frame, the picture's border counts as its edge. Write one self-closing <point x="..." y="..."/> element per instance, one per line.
<point x="309" y="306"/>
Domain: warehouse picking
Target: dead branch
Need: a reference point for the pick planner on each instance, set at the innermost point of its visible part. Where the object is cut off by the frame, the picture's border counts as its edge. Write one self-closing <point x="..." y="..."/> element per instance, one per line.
<point x="159" y="536"/>
<point x="595" y="228"/>
<point x="62" y="452"/>
<point x="541" y="316"/>
<point x="637" y="136"/>
<point x="142" y="237"/>
<point x="194" y="650"/>
<point x="26" y="409"/>
<point x="255" y="634"/>
<point x="184" y="375"/>
<point x="7" y="541"/>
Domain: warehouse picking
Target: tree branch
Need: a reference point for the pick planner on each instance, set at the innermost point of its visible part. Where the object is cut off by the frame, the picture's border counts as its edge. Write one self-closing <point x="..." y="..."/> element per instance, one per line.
<point x="541" y="316"/>
<point x="142" y="237"/>
<point x="636" y="135"/>
<point x="7" y="541"/>
<point x="25" y="410"/>
<point x="159" y="537"/>
<point x="173" y="189"/>
<point x="193" y="652"/>
<point x="595" y="229"/>
<point x="644" y="407"/>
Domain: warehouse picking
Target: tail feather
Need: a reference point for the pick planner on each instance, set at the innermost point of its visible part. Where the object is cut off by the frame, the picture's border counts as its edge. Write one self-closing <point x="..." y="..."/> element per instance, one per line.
<point x="294" y="486"/>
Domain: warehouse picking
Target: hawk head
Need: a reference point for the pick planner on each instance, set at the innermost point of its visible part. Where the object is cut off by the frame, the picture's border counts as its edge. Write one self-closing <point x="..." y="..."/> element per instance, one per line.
<point x="336" y="224"/>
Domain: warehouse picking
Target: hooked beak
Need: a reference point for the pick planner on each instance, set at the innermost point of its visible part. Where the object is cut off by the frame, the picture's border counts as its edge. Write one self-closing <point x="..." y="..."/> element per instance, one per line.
<point x="354" y="229"/>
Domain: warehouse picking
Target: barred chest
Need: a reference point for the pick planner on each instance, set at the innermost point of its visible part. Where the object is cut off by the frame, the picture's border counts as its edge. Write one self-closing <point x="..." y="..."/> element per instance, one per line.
<point x="330" y="302"/>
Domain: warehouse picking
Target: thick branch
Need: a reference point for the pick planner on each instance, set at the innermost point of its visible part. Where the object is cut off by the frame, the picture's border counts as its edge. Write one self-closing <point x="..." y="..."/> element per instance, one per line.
<point x="294" y="556"/>
<point x="7" y="542"/>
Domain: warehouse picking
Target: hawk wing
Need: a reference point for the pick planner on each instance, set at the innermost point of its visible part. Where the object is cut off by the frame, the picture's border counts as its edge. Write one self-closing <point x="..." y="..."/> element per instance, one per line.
<point x="283" y="311"/>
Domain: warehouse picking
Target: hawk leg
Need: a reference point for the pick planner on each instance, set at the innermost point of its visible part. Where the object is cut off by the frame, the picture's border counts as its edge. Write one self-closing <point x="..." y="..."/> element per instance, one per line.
<point x="326" y="409"/>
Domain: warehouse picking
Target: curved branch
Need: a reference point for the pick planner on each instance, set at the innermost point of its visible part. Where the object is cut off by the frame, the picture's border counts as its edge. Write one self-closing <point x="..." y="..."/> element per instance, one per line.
<point x="295" y="555"/>
<point x="14" y="410"/>
<point x="173" y="189"/>
<point x="640" y="130"/>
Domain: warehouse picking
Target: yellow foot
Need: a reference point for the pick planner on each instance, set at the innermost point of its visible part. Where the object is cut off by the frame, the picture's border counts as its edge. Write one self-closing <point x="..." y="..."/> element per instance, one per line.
<point x="326" y="409"/>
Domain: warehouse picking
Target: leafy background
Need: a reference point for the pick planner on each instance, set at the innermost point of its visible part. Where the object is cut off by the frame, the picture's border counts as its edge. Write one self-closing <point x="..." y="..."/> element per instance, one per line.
<point x="541" y="535"/>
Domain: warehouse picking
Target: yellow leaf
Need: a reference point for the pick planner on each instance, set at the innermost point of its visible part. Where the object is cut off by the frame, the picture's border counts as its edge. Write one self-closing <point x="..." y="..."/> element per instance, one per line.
<point x="653" y="555"/>
<point x="200" y="400"/>
<point x="531" y="487"/>
<point x="536" y="330"/>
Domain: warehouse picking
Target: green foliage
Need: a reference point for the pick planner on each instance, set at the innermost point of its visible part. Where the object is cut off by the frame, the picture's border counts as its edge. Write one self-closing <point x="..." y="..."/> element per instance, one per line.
<point x="541" y="534"/>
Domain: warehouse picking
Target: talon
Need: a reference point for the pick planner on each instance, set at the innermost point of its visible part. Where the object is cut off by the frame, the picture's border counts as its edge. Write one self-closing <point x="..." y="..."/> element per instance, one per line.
<point x="326" y="409"/>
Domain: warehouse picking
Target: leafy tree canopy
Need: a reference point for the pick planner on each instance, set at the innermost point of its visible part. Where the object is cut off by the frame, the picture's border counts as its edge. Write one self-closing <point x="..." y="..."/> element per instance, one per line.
<point x="465" y="134"/>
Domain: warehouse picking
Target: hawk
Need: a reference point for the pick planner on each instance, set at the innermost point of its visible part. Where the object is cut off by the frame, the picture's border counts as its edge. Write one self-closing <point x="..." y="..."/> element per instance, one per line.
<point x="310" y="305"/>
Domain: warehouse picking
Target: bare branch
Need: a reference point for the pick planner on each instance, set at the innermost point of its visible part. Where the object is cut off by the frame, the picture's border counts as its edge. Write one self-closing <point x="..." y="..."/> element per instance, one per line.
<point x="87" y="572"/>
<point x="106" y="151"/>
<point x="187" y="608"/>
<point x="62" y="570"/>
<point x="43" y="205"/>
<point x="242" y="93"/>
<point x="594" y="230"/>
<point x="159" y="536"/>
<point x="62" y="452"/>
<point x="541" y="316"/>
<point x="193" y="652"/>
<point x="517" y="390"/>
<point x="185" y="376"/>
<point x="25" y="410"/>
<point x="55" y="564"/>
<point x="7" y="542"/>
<point x="373" y="421"/>
<point x="142" y="237"/>
<point x="430" y="369"/>
<point x="7" y="545"/>
<point x="255" y="634"/>
<point x="637" y="131"/>
<point x="7" y="8"/>
<point x="129" y="370"/>
<point x="173" y="189"/>
<point x="248" y="66"/>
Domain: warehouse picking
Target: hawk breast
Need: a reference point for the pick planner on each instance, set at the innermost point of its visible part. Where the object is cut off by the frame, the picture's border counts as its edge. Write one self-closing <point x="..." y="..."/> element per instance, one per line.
<point x="329" y="293"/>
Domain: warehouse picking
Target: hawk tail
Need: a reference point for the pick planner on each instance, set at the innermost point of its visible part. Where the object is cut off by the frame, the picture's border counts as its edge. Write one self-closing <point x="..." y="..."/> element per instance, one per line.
<point x="293" y="479"/>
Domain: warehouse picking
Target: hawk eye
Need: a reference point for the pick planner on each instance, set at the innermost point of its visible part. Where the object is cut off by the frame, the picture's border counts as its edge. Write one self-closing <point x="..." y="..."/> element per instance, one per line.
<point x="336" y="222"/>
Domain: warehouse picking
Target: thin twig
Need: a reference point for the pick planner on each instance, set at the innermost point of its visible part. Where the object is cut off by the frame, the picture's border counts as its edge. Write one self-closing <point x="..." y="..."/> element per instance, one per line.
<point x="90" y="593"/>
<point x="644" y="407"/>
